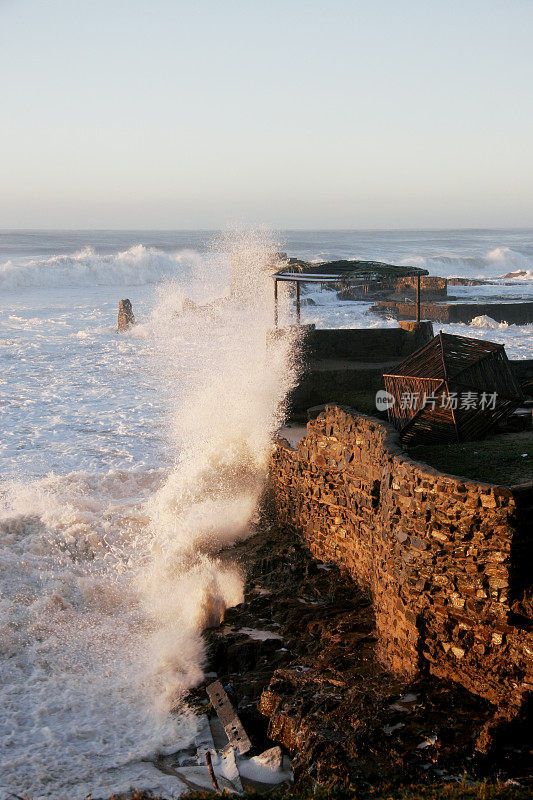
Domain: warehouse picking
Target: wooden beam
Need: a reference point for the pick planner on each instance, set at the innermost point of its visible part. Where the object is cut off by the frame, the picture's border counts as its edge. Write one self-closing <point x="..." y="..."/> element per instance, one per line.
<point x="228" y="717"/>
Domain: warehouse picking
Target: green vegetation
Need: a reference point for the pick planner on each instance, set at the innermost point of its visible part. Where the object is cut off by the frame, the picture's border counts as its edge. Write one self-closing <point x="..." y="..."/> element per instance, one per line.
<point x="352" y="269"/>
<point x="506" y="459"/>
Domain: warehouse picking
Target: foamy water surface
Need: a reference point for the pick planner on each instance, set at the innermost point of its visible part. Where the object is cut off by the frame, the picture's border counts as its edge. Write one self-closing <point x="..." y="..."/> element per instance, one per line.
<point x="128" y="459"/>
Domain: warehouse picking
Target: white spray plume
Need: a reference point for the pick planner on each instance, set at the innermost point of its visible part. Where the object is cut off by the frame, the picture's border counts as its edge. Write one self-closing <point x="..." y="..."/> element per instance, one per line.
<point x="231" y="383"/>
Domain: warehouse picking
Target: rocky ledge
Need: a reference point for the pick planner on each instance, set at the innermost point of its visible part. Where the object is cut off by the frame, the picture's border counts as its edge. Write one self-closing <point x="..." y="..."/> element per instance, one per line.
<point x="298" y="660"/>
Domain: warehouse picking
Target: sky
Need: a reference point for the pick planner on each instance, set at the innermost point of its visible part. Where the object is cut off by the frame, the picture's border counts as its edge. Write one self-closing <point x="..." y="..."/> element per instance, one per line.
<point x="290" y="113"/>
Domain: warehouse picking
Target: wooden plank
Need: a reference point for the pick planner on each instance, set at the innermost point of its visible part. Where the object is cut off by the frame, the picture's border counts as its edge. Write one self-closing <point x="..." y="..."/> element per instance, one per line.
<point x="300" y="277"/>
<point x="228" y="717"/>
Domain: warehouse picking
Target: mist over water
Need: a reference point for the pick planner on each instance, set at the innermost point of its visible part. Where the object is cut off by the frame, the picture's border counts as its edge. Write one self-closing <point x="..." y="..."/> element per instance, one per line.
<point x="230" y="407"/>
<point x="109" y="578"/>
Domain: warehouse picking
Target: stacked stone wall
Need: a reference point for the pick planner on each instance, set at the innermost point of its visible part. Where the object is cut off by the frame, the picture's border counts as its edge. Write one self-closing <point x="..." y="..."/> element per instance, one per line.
<point x="435" y="551"/>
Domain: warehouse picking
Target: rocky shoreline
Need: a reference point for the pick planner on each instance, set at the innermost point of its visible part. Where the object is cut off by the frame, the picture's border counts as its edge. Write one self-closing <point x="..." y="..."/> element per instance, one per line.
<point x="299" y="663"/>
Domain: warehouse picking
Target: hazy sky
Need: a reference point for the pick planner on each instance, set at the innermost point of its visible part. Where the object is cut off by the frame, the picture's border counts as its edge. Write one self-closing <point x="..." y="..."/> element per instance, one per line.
<point x="293" y="113"/>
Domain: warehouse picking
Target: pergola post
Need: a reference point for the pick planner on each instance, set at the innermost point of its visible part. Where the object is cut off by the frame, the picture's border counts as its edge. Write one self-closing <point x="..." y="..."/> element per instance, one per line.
<point x="418" y="297"/>
<point x="298" y="302"/>
<point x="275" y="303"/>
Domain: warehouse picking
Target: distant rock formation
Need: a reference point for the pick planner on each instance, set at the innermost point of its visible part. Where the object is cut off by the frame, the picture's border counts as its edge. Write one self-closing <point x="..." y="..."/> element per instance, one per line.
<point x="125" y="315"/>
<point x="519" y="273"/>
<point x="467" y="282"/>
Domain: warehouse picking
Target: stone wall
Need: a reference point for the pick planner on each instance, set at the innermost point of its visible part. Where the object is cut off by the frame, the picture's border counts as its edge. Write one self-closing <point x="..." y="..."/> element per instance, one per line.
<point x="439" y="554"/>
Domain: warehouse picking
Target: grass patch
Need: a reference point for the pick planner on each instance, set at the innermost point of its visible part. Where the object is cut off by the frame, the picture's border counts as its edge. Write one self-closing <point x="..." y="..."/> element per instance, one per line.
<point x="506" y="459"/>
<point x="440" y="791"/>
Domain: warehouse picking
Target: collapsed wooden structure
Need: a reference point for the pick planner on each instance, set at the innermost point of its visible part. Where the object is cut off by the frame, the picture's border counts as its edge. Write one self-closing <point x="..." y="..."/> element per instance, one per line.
<point x="453" y="389"/>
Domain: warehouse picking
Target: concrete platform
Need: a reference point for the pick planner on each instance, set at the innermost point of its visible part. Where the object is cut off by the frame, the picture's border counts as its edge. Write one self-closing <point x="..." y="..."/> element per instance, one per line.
<point x="513" y="313"/>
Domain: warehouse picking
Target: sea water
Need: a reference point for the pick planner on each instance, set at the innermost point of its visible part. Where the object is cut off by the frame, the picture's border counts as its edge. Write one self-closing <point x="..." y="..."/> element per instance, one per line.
<point x="128" y="459"/>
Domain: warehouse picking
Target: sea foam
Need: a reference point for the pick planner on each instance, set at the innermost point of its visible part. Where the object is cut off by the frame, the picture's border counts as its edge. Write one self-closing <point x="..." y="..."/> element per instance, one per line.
<point x="148" y="452"/>
<point x="222" y="430"/>
<point x="108" y="578"/>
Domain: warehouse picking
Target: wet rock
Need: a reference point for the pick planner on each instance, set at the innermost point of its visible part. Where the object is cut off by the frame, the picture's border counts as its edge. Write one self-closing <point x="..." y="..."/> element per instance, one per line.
<point x="125" y="315"/>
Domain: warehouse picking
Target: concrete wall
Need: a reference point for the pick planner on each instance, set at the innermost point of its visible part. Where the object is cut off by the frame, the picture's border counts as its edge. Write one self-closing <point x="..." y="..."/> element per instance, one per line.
<point x="439" y="554"/>
<point x="523" y="372"/>
<point x="347" y="365"/>
<point x="513" y="313"/>
<point x="370" y="345"/>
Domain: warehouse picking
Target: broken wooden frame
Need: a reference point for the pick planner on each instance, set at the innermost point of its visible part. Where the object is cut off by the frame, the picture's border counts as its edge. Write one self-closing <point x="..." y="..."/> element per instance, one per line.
<point x="437" y="372"/>
<point x="228" y="717"/>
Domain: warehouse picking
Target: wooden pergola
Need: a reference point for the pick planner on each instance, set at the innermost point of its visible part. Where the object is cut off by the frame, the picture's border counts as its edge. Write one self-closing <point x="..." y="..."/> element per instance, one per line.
<point x="298" y="278"/>
<point x="341" y="272"/>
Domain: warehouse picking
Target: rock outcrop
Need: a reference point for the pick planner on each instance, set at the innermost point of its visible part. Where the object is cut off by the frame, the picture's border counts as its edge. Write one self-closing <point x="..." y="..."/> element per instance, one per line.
<point x="125" y="315"/>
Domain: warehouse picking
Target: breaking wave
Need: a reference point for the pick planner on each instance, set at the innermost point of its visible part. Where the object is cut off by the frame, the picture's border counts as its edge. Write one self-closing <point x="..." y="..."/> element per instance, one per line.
<point x="139" y="265"/>
<point x="498" y="262"/>
<point x="108" y="579"/>
<point x="136" y="266"/>
<point x="222" y="430"/>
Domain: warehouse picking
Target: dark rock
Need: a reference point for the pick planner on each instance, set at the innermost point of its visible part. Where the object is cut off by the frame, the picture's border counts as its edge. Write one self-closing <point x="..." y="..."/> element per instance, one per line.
<point x="320" y="690"/>
<point x="125" y="315"/>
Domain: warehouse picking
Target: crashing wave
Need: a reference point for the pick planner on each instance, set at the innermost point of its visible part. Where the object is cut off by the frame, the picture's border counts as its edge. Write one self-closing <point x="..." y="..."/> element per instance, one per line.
<point x="497" y="264"/>
<point x="136" y="266"/>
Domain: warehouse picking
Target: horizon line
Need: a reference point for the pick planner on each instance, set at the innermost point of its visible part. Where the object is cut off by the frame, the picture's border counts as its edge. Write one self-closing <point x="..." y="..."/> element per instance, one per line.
<point x="271" y="228"/>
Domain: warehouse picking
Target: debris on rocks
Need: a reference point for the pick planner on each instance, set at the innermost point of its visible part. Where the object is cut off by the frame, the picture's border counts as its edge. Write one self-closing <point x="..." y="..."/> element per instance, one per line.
<point x="226" y="713"/>
<point x="217" y="762"/>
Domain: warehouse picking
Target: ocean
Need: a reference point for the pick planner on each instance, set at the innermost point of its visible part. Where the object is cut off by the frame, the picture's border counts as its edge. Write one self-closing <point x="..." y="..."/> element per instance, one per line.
<point x="128" y="459"/>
